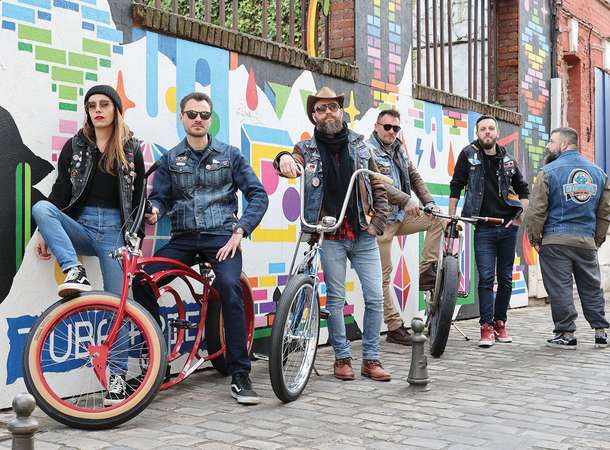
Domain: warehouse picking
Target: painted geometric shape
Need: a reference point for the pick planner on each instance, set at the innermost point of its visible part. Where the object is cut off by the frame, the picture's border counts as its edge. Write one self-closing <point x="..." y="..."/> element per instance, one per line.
<point x="402" y="282"/>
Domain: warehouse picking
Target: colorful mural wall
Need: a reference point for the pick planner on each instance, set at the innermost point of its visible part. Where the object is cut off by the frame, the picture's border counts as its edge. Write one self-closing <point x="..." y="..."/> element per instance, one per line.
<point x="52" y="52"/>
<point x="534" y="78"/>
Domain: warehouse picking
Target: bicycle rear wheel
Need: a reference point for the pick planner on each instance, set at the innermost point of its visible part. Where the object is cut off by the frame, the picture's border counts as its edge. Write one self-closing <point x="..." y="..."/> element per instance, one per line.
<point x="445" y="293"/>
<point x="294" y="338"/>
<point x="58" y="369"/>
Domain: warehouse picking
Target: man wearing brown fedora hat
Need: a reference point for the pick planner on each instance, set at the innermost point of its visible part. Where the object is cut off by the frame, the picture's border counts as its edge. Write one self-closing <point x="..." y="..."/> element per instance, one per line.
<point x="329" y="159"/>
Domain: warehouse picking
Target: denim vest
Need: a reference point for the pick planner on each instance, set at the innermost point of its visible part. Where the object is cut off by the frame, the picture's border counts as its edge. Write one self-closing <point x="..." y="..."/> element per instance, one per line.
<point x="81" y="168"/>
<point x="476" y="182"/>
<point x="360" y="154"/>
<point x="203" y="191"/>
<point x="392" y="164"/>
<point x="575" y="189"/>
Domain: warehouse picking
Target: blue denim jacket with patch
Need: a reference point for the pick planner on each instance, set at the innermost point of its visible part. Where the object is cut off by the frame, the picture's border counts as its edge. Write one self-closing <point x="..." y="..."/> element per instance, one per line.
<point x="575" y="186"/>
<point x="200" y="194"/>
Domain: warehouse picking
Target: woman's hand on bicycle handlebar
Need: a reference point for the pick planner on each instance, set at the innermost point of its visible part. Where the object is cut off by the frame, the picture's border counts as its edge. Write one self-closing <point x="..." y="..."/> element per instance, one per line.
<point x="289" y="167"/>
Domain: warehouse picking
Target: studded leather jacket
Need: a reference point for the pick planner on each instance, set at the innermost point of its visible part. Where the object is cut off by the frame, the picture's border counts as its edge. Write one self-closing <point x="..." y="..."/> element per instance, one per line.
<point x="74" y="168"/>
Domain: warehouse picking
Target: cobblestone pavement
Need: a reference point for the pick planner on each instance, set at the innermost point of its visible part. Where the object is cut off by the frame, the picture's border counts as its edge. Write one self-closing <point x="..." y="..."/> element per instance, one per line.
<point x="512" y="396"/>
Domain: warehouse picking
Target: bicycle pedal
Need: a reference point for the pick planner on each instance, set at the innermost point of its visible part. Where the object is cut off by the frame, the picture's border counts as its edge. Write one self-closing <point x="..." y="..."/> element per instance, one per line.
<point x="183" y="324"/>
<point x="324" y="313"/>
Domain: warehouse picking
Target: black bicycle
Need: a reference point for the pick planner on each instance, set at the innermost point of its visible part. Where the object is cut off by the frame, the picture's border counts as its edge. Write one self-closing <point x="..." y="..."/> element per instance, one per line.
<point x="440" y="302"/>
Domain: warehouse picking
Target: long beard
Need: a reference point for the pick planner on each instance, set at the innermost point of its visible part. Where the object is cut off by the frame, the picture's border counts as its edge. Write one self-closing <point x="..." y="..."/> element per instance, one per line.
<point x="330" y="127"/>
<point x="549" y="158"/>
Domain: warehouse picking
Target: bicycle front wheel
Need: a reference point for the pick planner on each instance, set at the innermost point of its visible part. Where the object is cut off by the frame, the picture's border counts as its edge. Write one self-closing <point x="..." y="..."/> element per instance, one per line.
<point x="440" y="318"/>
<point x="58" y="368"/>
<point x="294" y="338"/>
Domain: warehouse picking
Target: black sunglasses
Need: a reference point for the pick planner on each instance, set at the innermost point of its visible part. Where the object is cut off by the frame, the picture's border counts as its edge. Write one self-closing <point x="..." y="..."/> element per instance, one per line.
<point x="334" y="107"/>
<point x="205" y="115"/>
<point x="388" y="127"/>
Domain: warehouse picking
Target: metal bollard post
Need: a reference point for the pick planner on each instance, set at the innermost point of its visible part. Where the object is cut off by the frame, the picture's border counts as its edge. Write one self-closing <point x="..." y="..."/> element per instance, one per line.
<point x="418" y="373"/>
<point x="23" y="426"/>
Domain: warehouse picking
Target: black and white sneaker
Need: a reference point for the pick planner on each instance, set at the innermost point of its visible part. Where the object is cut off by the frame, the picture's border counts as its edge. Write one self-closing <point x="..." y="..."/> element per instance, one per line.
<point x="241" y="390"/>
<point x="562" y="341"/>
<point x="601" y="339"/>
<point x="76" y="281"/>
<point x="116" y="390"/>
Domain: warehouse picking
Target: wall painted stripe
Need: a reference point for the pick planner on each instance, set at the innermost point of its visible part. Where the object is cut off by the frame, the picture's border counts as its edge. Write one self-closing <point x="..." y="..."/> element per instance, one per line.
<point x="109" y="34"/>
<point x="44" y="68"/>
<point x="68" y="92"/>
<point x="18" y="214"/>
<point x="82" y="61"/>
<point x="67" y="106"/>
<point x="95" y="14"/>
<point x="27" y="206"/>
<point x="50" y="54"/>
<point x="68" y="126"/>
<point x="105" y="62"/>
<point x="46" y="4"/>
<point x="6" y="25"/>
<point x="33" y="33"/>
<point x="66" y="75"/>
<point x="88" y="26"/>
<point x="91" y="76"/>
<point x="44" y="15"/>
<point x="277" y="268"/>
<point x="98" y="47"/>
<point x="25" y="46"/>
<point x="66" y="5"/>
<point x="18" y="12"/>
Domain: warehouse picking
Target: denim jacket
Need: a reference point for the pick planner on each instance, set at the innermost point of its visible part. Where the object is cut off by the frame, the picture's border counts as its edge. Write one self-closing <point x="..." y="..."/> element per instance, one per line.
<point x="370" y="193"/>
<point x="476" y="179"/>
<point x="571" y="199"/>
<point x="396" y="163"/>
<point x="201" y="194"/>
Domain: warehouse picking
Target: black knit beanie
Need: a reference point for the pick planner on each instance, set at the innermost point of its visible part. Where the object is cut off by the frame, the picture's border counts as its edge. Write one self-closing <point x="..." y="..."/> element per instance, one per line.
<point x="109" y="92"/>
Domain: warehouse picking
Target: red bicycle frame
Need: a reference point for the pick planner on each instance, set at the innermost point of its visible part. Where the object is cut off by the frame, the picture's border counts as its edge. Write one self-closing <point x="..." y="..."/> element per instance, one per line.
<point x="132" y="264"/>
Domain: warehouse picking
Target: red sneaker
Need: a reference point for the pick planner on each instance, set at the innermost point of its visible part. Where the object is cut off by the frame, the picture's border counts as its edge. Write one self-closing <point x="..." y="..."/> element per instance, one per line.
<point x="487" y="336"/>
<point x="500" y="332"/>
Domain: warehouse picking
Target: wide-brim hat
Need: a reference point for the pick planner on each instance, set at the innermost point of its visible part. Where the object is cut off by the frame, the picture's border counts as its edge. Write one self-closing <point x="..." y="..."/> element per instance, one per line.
<point x="325" y="93"/>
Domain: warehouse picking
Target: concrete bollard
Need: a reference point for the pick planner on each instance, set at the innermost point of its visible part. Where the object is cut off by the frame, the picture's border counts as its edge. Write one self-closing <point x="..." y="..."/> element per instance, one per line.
<point x="23" y="426"/>
<point x="418" y="373"/>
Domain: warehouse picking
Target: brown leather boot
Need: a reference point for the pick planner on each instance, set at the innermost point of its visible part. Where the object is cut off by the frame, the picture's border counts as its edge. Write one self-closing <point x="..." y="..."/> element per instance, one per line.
<point x="343" y="369"/>
<point x="399" y="336"/>
<point x="372" y="368"/>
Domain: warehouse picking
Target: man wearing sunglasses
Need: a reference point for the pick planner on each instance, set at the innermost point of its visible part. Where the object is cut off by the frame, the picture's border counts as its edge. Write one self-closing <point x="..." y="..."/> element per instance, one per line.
<point x="196" y="185"/>
<point x="404" y="216"/>
<point x="329" y="159"/>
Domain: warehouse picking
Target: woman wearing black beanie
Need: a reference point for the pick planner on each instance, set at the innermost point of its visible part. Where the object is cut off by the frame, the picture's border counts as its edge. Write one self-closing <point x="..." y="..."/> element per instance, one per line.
<point x="99" y="183"/>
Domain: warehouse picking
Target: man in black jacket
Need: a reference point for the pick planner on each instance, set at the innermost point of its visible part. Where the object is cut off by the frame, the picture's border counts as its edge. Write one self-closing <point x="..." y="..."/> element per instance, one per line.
<point x="494" y="188"/>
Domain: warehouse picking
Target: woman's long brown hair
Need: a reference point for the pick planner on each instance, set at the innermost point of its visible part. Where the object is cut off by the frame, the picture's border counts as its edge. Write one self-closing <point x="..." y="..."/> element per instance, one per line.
<point x="113" y="156"/>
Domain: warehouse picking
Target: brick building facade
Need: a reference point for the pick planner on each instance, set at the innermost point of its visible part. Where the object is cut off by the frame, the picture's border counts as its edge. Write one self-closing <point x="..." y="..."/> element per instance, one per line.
<point x="583" y="33"/>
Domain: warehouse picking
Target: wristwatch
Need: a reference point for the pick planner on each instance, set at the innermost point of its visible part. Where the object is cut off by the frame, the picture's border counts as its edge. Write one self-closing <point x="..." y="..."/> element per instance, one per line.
<point x="239" y="230"/>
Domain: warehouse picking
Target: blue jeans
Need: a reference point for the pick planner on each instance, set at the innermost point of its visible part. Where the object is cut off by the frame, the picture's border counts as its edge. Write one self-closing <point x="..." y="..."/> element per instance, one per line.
<point x="364" y="257"/>
<point x="494" y="252"/>
<point x="96" y="232"/>
<point x="184" y="248"/>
